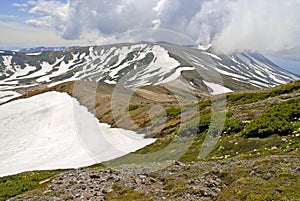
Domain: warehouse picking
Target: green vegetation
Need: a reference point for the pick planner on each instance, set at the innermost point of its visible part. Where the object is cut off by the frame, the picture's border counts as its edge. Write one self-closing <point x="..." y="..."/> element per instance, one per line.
<point x="157" y="145"/>
<point x="256" y="174"/>
<point x="233" y="126"/>
<point x="204" y="104"/>
<point x="120" y="193"/>
<point x="11" y="186"/>
<point x="278" y="120"/>
<point x="281" y="120"/>
<point x="254" y="96"/>
<point x="259" y="184"/>
<point x="133" y="107"/>
<point x="247" y="154"/>
<point x="107" y="112"/>
<point x="172" y="112"/>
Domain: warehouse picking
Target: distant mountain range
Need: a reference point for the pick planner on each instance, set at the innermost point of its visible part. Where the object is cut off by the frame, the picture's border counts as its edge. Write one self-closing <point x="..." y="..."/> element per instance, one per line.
<point x="41" y="49"/>
<point x="136" y="65"/>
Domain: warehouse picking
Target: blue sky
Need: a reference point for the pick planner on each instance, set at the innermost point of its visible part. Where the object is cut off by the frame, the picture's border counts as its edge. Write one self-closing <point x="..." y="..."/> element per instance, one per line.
<point x="229" y="25"/>
<point x="17" y="33"/>
<point x="12" y="12"/>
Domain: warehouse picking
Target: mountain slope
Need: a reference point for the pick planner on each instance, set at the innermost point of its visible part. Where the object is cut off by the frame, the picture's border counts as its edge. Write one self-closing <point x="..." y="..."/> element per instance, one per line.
<point x="134" y="65"/>
<point x="260" y="166"/>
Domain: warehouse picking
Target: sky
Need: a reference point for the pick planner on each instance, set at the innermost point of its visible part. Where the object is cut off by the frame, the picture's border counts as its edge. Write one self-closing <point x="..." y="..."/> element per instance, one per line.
<point x="265" y="26"/>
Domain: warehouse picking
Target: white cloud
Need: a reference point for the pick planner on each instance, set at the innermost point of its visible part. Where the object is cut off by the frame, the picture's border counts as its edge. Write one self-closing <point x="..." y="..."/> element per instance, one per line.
<point x="22" y="6"/>
<point x="19" y="5"/>
<point x="47" y="7"/>
<point x="31" y="2"/>
<point x="77" y="17"/>
<point x="231" y="25"/>
<point x="261" y="25"/>
<point x="8" y="16"/>
<point x="40" y="22"/>
<point x="17" y="35"/>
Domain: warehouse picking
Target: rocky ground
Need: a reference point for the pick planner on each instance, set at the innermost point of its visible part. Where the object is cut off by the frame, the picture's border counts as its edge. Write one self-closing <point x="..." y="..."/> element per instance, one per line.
<point x="106" y="184"/>
<point x="211" y="180"/>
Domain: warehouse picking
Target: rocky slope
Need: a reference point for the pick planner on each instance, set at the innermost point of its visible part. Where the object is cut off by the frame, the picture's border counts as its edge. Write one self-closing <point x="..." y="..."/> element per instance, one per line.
<point x="229" y="179"/>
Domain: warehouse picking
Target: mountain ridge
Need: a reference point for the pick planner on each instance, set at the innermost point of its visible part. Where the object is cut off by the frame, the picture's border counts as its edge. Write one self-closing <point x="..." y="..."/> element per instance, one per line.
<point x="138" y="64"/>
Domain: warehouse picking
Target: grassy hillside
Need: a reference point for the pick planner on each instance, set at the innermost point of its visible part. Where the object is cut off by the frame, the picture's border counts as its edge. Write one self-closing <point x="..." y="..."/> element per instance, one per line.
<point x="256" y="157"/>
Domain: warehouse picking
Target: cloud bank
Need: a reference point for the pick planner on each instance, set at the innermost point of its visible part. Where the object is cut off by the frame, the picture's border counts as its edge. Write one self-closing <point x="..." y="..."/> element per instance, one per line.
<point x="230" y="25"/>
<point x="261" y="25"/>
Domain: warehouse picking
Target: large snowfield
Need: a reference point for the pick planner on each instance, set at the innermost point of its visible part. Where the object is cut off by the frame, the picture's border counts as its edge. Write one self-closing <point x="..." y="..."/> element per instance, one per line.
<point x="53" y="131"/>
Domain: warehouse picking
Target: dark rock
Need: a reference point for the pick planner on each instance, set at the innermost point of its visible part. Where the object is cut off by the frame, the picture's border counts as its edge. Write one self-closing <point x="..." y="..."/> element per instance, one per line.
<point x="59" y="182"/>
<point x="178" y="163"/>
<point x="94" y="176"/>
<point x="82" y="187"/>
<point x="152" y="180"/>
<point x="297" y="170"/>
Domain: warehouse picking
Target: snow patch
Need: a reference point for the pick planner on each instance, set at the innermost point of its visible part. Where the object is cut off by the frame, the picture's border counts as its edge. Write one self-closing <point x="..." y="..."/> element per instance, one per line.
<point x="110" y="82"/>
<point x="20" y="73"/>
<point x="213" y="55"/>
<point x="230" y="74"/>
<point x="216" y="88"/>
<point x="7" y="61"/>
<point x="175" y="75"/>
<point x="259" y="84"/>
<point x="204" y="47"/>
<point x="197" y="61"/>
<point x="276" y="79"/>
<point x="34" y="54"/>
<point x="46" y="132"/>
<point x="8" y="95"/>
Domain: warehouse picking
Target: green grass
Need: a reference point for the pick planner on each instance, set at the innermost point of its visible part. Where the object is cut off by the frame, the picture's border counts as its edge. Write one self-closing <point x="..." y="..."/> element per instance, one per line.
<point x="282" y="184"/>
<point x="296" y="125"/>
<point x="13" y="185"/>
<point x="254" y="96"/>
<point x="157" y="145"/>
<point x="272" y="178"/>
<point x="107" y="112"/>
<point x="120" y="193"/>
<point x="172" y="112"/>
<point x="204" y="104"/>
<point x="133" y="107"/>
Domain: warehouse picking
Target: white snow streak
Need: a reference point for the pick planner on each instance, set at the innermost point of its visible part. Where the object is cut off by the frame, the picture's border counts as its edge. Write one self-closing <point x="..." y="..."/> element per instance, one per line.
<point x="213" y="55"/>
<point x="7" y="95"/>
<point x="175" y="75"/>
<point x="216" y="88"/>
<point x="34" y="54"/>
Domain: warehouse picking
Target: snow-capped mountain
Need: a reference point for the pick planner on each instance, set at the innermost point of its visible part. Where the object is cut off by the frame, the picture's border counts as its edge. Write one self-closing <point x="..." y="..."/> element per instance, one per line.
<point x="135" y="65"/>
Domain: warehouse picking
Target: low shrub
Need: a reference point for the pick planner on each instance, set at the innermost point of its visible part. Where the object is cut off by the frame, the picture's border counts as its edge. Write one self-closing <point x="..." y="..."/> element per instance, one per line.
<point x="278" y="120"/>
